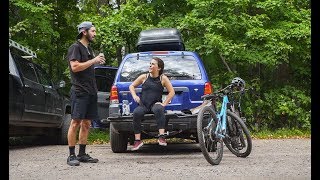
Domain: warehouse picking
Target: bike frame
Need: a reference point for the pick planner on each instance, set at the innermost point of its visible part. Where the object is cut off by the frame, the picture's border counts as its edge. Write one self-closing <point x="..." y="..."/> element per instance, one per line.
<point x="222" y="118"/>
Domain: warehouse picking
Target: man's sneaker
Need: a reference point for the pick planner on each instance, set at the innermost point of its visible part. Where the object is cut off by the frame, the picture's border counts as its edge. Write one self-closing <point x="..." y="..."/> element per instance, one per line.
<point x="162" y="141"/>
<point x="87" y="159"/>
<point x="137" y="145"/>
<point x="73" y="161"/>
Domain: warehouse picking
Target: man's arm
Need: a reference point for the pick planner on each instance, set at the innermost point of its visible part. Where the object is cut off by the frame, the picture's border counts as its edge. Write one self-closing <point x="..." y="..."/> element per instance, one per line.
<point x="77" y="66"/>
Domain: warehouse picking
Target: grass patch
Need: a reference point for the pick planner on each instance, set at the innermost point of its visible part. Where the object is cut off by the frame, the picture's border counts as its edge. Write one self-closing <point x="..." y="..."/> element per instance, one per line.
<point x="170" y="140"/>
<point x="98" y="136"/>
<point x="281" y="134"/>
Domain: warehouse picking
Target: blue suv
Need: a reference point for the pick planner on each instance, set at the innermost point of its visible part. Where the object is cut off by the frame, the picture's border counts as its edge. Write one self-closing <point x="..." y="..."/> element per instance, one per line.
<point x="187" y="74"/>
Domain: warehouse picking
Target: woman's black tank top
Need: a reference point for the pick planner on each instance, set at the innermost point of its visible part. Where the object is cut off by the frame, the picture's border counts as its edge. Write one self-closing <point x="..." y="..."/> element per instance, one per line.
<point x="151" y="91"/>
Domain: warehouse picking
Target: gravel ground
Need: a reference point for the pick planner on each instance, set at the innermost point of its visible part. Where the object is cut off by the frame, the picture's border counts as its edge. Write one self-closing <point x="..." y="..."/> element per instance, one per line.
<point x="269" y="159"/>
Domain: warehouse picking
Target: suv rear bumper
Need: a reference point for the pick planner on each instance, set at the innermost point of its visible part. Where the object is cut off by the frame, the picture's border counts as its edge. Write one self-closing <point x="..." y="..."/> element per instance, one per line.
<point x="175" y="122"/>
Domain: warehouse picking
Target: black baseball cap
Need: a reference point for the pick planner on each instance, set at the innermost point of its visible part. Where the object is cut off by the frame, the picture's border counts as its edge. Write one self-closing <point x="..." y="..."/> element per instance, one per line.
<point x="83" y="27"/>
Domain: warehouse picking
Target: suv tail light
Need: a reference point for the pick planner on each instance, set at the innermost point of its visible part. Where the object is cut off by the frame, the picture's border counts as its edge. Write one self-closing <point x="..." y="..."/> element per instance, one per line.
<point x="114" y="99"/>
<point x="207" y="88"/>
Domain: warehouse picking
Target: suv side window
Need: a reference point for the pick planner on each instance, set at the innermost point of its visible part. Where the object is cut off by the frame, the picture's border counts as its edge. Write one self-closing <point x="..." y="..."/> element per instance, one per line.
<point x="27" y="68"/>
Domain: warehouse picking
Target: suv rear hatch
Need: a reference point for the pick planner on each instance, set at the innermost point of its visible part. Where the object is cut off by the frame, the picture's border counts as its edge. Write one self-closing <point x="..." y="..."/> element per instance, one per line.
<point x="184" y="69"/>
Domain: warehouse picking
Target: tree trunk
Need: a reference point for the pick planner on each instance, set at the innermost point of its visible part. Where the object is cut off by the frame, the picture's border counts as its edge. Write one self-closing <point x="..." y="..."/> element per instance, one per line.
<point x="225" y="63"/>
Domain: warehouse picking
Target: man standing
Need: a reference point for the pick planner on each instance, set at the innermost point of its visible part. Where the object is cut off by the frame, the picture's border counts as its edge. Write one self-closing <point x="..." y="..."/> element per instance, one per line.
<point x="83" y="92"/>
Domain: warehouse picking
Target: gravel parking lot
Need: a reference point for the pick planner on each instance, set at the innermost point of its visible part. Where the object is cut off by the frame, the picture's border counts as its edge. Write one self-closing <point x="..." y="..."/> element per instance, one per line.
<point x="270" y="159"/>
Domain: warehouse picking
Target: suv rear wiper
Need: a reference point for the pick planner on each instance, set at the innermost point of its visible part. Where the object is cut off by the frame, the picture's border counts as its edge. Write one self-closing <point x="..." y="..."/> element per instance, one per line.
<point x="180" y="75"/>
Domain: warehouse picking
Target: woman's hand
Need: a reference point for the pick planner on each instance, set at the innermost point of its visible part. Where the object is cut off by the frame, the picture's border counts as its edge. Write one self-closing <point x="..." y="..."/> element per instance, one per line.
<point x="136" y="99"/>
<point x="160" y="104"/>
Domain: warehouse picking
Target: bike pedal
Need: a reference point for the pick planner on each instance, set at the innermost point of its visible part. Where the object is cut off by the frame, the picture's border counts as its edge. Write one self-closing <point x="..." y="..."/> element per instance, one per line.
<point x="164" y="134"/>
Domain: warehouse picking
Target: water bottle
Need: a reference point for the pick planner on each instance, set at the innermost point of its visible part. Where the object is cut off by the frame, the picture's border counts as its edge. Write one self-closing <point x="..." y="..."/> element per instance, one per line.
<point x="125" y="108"/>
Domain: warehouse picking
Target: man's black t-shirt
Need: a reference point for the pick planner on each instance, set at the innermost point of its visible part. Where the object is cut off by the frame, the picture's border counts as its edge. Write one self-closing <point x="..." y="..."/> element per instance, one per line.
<point x="83" y="82"/>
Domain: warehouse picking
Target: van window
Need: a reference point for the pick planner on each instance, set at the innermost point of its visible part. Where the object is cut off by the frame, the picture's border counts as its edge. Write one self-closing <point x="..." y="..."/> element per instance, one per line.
<point x="26" y="67"/>
<point x="104" y="78"/>
<point x="44" y="77"/>
<point x="175" y="67"/>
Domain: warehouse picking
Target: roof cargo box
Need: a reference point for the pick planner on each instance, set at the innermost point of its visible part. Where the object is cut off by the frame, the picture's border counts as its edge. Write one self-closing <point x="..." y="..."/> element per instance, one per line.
<point x="160" y="39"/>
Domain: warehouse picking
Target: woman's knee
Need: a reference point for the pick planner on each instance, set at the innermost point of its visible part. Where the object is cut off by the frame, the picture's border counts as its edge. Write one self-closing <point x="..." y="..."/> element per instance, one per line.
<point x="158" y="109"/>
<point x="138" y="113"/>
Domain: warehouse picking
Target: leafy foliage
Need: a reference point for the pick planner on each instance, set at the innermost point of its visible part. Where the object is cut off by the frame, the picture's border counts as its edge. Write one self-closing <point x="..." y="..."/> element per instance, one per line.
<point x="285" y="107"/>
<point x="265" y="42"/>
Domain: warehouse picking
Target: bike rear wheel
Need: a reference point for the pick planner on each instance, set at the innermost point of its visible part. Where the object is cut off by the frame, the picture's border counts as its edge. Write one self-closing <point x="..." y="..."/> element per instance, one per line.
<point x="210" y="145"/>
<point x="238" y="139"/>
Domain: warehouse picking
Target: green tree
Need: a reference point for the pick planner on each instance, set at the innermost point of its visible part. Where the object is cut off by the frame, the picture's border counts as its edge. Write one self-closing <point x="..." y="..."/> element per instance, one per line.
<point x="44" y="26"/>
<point x="266" y="42"/>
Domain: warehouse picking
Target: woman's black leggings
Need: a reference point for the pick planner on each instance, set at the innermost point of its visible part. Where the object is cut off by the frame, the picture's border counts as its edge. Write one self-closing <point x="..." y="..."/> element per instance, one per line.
<point x="139" y="113"/>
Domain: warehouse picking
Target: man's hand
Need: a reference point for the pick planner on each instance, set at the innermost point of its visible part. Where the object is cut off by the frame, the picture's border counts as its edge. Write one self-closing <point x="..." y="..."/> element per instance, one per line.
<point x="99" y="59"/>
<point x="77" y="66"/>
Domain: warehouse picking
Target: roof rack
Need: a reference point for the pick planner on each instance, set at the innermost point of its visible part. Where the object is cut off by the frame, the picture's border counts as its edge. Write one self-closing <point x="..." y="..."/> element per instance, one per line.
<point x="23" y="49"/>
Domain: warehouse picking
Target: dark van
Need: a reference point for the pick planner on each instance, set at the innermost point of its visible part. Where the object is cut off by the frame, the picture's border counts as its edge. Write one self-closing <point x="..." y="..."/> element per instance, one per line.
<point x="104" y="78"/>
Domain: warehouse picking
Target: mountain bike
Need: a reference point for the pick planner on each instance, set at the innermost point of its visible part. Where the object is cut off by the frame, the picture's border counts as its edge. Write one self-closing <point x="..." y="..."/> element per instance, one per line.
<point x="220" y="123"/>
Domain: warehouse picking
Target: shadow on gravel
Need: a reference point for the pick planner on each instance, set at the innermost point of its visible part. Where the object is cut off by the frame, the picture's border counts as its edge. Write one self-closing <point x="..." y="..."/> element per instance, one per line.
<point x="170" y="149"/>
<point x="28" y="141"/>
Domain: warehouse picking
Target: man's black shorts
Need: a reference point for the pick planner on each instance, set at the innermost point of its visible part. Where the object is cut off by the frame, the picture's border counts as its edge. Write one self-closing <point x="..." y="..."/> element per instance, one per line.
<point x="84" y="106"/>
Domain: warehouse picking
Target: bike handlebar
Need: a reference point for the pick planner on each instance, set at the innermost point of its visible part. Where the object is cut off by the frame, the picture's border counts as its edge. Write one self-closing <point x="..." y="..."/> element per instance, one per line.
<point x="225" y="91"/>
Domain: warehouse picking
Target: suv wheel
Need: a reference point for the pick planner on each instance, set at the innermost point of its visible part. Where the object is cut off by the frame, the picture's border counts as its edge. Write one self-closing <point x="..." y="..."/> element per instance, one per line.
<point x="118" y="140"/>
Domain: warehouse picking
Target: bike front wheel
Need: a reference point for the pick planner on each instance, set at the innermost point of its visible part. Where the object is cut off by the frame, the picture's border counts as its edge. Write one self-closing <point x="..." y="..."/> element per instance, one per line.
<point x="238" y="139"/>
<point x="210" y="145"/>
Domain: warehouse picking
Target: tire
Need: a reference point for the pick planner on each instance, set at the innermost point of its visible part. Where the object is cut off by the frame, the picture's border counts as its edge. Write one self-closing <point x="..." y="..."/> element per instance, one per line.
<point x="63" y="138"/>
<point x="131" y="139"/>
<point x="118" y="140"/>
<point x="211" y="147"/>
<point x="238" y="133"/>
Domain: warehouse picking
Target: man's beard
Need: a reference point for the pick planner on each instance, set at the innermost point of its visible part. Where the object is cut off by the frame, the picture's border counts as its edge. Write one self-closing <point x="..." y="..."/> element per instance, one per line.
<point x="89" y="38"/>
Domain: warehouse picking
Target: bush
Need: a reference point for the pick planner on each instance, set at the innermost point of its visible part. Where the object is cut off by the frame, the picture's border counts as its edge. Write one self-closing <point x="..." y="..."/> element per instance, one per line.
<point x="286" y="107"/>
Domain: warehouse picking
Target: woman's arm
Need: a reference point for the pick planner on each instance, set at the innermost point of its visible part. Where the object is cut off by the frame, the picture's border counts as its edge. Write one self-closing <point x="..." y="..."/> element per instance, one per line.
<point x="167" y="84"/>
<point x="134" y="84"/>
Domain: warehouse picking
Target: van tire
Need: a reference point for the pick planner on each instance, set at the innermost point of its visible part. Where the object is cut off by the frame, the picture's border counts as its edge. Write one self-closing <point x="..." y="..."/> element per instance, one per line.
<point x="63" y="140"/>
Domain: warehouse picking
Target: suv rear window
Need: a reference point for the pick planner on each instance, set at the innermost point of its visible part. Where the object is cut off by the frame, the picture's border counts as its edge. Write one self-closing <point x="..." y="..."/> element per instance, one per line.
<point x="175" y="67"/>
